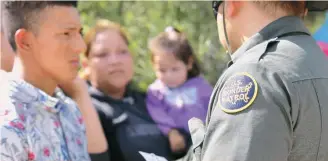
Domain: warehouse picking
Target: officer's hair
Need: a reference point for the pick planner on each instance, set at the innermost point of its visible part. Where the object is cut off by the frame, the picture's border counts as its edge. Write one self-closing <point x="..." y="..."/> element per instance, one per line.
<point x="25" y="14"/>
<point x="176" y="43"/>
<point x="293" y="8"/>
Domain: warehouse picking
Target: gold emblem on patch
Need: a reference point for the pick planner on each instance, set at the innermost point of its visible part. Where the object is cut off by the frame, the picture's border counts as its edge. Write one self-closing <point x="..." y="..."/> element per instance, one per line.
<point x="238" y="93"/>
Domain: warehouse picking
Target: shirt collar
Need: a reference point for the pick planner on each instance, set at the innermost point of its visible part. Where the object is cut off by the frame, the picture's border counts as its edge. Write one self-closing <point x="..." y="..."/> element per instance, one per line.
<point x="24" y="92"/>
<point x="277" y="28"/>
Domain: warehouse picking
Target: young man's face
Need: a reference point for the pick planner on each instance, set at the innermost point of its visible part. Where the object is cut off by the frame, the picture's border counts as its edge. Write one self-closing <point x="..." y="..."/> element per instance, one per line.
<point x="58" y="42"/>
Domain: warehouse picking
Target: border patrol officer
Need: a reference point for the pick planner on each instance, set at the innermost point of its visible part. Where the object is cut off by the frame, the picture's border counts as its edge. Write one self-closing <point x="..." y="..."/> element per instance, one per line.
<point x="271" y="103"/>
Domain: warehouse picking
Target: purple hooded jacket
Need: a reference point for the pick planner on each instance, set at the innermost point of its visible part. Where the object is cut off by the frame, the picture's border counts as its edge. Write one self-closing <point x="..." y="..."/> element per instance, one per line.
<point x="172" y="107"/>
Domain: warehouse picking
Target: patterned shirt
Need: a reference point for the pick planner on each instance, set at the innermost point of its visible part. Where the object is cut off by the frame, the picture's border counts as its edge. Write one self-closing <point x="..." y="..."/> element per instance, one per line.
<point x="37" y="127"/>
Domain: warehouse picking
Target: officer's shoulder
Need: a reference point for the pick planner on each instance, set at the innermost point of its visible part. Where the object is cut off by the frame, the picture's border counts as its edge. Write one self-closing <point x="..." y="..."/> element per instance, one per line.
<point x="275" y="54"/>
<point x="291" y="57"/>
<point x="296" y="57"/>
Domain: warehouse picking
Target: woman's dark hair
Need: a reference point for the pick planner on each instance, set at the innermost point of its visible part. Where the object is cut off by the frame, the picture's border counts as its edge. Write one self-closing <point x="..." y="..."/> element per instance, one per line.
<point x="177" y="43"/>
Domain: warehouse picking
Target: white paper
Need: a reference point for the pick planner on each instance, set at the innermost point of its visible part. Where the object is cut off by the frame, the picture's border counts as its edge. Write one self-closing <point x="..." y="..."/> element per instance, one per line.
<point x="152" y="157"/>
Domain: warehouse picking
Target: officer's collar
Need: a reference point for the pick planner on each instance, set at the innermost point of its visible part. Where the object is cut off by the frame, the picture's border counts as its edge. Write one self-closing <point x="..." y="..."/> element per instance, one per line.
<point x="277" y="28"/>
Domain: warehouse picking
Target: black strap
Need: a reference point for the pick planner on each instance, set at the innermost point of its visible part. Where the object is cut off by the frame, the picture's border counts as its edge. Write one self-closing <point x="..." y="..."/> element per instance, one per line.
<point x="104" y="156"/>
<point x="293" y="34"/>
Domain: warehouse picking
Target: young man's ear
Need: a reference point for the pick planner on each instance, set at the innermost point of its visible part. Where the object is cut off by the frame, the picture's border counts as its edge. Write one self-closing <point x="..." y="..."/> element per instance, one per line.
<point x="23" y="40"/>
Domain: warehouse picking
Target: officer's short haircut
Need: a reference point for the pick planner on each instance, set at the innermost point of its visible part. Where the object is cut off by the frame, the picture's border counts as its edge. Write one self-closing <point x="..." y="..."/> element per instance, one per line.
<point x="26" y="15"/>
<point x="293" y="8"/>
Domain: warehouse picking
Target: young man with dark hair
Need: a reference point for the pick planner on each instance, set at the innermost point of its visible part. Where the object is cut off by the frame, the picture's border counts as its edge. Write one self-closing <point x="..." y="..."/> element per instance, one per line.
<point x="35" y="122"/>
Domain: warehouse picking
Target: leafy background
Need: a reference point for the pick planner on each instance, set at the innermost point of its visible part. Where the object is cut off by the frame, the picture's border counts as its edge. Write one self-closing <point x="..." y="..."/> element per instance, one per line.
<point x="145" y="19"/>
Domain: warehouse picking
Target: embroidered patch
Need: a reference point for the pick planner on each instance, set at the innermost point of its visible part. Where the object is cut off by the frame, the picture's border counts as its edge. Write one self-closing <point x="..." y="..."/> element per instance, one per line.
<point x="238" y="93"/>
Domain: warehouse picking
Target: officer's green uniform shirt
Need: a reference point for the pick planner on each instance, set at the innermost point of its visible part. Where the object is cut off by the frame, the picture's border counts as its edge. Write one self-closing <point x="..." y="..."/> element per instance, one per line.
<point x="271" y="104"/>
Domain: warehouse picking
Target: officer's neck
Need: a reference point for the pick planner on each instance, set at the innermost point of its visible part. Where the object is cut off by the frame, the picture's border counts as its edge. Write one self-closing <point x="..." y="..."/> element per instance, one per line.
<point x="255" y="20"/>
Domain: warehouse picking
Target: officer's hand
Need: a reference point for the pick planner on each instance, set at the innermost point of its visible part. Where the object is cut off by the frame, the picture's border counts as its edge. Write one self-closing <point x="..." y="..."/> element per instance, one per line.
<point x="177" y="142"/>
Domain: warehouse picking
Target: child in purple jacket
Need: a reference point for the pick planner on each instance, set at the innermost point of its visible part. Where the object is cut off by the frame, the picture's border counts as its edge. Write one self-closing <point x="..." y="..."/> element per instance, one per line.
<point x="179" y="93"/>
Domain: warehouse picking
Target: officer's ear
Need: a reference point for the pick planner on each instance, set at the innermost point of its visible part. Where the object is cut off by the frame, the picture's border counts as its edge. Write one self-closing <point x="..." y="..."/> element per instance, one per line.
<point x="233" y="7"/>
<point x="305" y="13"/>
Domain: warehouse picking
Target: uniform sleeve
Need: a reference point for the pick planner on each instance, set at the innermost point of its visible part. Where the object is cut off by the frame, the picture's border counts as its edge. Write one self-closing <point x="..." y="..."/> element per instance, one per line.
<point x="12" y="145"/>
<point x="157" y="111"/>
<point x="251" y="117"/>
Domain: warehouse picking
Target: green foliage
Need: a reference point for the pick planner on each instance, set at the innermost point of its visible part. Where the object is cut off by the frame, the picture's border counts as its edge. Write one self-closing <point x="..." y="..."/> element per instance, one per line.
<point x="145" y="19"/>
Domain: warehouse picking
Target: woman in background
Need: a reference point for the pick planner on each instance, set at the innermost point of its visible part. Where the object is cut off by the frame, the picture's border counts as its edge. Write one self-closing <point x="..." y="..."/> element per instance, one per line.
<point x="129" y="129"/>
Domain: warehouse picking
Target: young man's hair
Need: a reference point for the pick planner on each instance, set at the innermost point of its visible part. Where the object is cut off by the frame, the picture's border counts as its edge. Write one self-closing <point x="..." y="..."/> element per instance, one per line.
<point x="26" y="15"/>
<point x="292" y="8"/>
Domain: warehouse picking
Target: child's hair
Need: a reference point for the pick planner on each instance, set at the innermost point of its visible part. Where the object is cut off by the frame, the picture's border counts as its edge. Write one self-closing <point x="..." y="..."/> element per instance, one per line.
<point x="175" y="42"/>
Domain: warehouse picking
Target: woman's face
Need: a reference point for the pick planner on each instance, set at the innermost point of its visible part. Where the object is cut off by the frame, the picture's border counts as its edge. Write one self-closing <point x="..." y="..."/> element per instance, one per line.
<point x="110" y="62"/>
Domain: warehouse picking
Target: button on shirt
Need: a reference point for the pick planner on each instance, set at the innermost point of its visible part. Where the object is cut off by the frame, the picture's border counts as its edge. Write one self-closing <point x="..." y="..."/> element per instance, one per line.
<point x="35" y="126"/>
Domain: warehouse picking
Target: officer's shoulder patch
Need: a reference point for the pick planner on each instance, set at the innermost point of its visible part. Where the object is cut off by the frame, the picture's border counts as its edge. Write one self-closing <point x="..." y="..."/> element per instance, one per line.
<point x="238" y="93"/>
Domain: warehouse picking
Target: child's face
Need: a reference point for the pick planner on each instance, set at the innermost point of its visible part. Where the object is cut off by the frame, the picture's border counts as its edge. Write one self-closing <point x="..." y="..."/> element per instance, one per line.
<point x="170" y="70"/>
